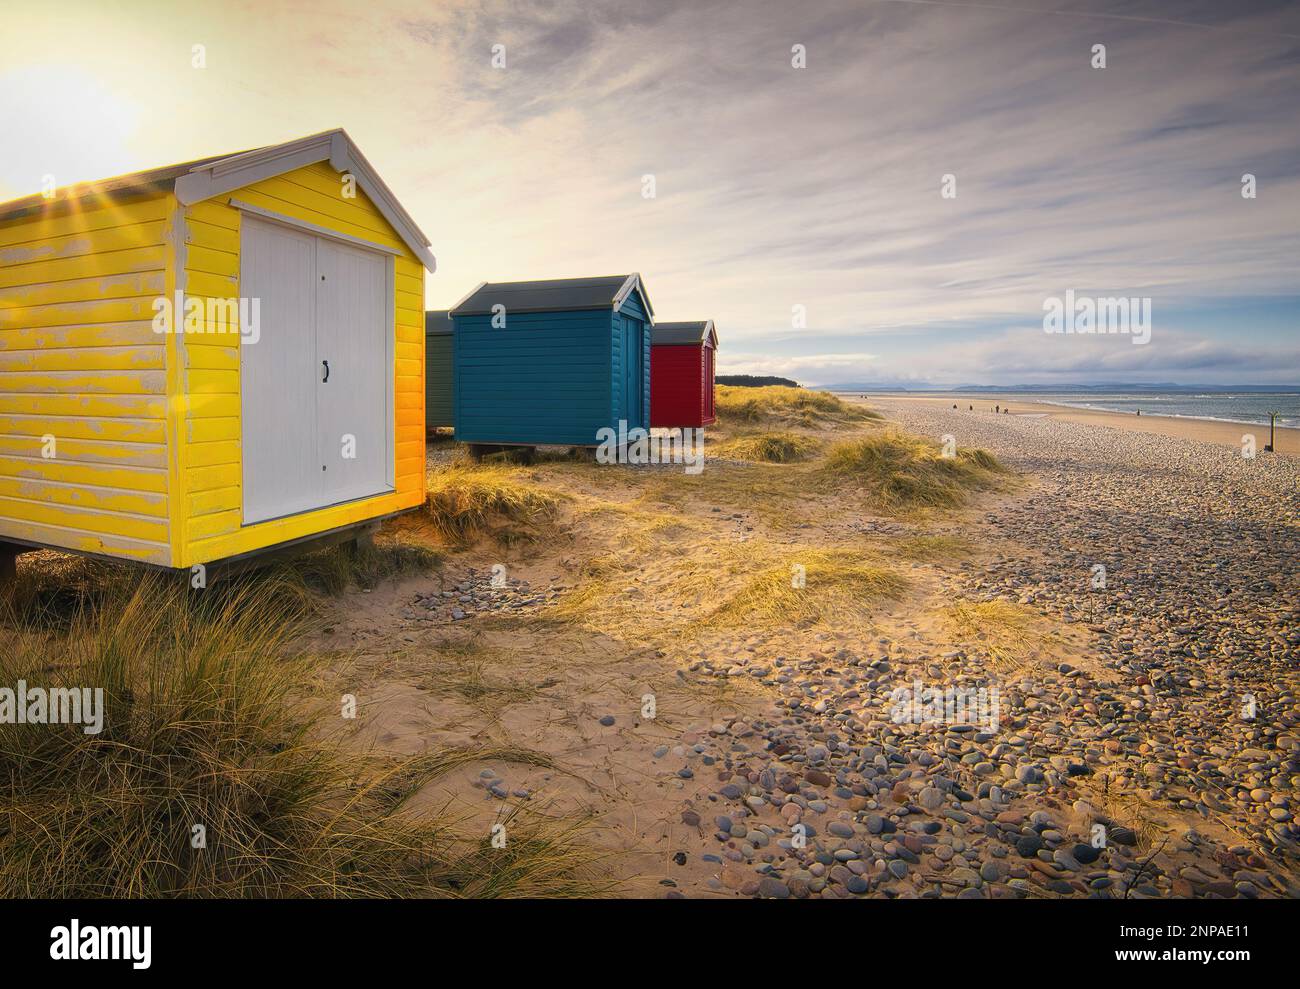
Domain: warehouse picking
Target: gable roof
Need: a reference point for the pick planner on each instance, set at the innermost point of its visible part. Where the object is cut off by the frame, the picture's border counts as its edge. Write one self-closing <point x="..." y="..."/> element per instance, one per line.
<point x="437" y="322"/>
<point x="694" y="333"/>
<point x="553" y="295"/>
<point x="160" y="179"/>
<point x="205" y="178"/>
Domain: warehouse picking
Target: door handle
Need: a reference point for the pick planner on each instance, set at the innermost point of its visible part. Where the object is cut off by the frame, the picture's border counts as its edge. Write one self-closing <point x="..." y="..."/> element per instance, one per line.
<point x="327" y="372"/>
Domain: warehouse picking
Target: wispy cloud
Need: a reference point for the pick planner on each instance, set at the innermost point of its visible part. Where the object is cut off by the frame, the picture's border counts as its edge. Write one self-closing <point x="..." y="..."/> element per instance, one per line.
<point x="776" y="187"/>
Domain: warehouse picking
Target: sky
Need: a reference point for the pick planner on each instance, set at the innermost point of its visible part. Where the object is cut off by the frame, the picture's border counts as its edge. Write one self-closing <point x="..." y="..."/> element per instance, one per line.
<point x="800" y="208"/>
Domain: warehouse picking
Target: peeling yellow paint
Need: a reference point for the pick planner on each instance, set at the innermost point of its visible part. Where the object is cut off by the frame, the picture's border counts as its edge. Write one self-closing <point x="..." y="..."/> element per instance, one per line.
<point x="147" y="425"/>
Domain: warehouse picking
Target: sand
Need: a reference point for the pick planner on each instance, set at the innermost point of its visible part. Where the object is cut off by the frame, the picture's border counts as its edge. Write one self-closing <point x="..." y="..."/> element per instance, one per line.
<point x="762" y="724"/>
<point x="1203" y="430"/>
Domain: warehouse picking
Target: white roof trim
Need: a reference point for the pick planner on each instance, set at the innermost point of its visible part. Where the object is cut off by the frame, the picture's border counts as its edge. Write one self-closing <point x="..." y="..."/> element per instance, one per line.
<point x="634" y="282"/>
<point x="469" y="295"/>
<point x="228" y="174"/>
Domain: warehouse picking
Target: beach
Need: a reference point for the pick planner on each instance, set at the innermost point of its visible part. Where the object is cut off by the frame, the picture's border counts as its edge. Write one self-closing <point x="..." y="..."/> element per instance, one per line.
<point x="830" y="450"/>
<point x="834" y="664"/>
<point x="1202" y="430"/>
<point x="777" y="763"/>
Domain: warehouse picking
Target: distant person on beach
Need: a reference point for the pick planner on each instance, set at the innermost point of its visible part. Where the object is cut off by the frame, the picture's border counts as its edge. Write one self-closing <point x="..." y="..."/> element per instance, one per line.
<point x="972" y="408"/>
<point x="997" y="408"/>
<point x="1139" y="411"/>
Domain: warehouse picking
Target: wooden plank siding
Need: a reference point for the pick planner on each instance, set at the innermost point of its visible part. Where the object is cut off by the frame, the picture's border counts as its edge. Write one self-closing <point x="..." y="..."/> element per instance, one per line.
<point x="211" y="431"/>
<point x="543" y="378"/>
<point x="438" y="375"/>
<point x="677" y="398"/>
<point x="81" y="363"/>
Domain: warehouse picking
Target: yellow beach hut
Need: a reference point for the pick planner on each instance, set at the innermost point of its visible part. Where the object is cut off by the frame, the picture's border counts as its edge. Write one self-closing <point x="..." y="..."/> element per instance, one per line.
<point x="206" y="361"/>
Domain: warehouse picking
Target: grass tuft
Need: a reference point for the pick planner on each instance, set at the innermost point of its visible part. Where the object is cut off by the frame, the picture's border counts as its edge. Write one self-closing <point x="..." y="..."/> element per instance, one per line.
<point x="204" y="727"/>
<point x="838" y="586"/>
<point x="1003" y="631"/>
<point x="198" y="732"/>
<point x="769" y="448"/>
<point x="466" y="502"/>
<point x="904" y="472"/>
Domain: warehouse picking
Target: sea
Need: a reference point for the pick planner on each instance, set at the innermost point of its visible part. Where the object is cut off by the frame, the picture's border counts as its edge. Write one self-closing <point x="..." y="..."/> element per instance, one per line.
<point x="1244" y="407"/>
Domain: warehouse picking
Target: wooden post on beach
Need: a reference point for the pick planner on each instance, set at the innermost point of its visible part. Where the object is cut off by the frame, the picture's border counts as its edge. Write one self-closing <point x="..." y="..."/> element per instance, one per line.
<point x="1272" y="424"/>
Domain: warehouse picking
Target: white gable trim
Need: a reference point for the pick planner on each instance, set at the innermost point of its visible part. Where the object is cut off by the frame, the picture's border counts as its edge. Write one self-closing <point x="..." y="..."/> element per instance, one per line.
<point x="228" y="174"/>
<point x="472" y="292"/>
<point x="634" y="282"/>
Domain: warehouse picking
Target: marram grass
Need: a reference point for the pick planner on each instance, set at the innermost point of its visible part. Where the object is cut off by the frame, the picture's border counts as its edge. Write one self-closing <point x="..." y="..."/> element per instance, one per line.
<point x="770" y="448"/>
<point x="210" y="777"/>
<point x="903" y="472"/>
<point x="1000" y="630"/>
<point x="813" y="587"/>
<point x="464" y="502"/>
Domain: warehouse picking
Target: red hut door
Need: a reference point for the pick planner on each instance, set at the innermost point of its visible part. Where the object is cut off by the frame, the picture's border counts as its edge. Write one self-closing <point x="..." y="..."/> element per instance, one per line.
<point x="708" y="383"/>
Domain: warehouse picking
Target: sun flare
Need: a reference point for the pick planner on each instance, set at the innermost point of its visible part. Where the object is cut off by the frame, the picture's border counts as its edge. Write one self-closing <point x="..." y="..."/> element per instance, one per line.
<point x="74" y="129"/>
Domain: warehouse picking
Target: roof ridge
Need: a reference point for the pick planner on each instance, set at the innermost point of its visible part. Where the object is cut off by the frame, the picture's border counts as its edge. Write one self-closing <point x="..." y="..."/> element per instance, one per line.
<point x="554" y="295"/>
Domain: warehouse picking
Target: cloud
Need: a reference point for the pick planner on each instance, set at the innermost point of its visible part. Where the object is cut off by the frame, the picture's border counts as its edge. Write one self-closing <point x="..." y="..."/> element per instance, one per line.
<point x="1020" y="353"/>
<point x="1030" y="356"/>
<point x="776" y="186"/>
<point x="814" y="368"/>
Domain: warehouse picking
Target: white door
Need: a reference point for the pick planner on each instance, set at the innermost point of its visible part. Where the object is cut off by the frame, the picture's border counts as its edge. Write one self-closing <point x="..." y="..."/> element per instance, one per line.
<point x="277" y="386"/>
<point x="315" y="389"/>
<point x="353" y="404"/>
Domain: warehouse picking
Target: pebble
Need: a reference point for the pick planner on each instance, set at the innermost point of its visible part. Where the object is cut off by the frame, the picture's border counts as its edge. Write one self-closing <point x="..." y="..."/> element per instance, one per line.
<point x="773" y="889"/>
<point x="1199" y="547"/>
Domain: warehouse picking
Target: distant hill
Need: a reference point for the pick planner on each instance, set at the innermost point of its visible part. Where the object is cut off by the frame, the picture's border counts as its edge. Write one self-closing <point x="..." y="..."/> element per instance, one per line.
<point x="754" y="381"/>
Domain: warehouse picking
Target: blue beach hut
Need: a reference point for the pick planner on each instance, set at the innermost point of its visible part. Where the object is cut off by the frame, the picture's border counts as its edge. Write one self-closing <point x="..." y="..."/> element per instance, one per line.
<point x="551" y="362"/>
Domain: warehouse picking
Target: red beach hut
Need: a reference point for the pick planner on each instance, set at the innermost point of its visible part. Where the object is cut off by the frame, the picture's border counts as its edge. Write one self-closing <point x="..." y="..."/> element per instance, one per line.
<point x="681" y="374"/>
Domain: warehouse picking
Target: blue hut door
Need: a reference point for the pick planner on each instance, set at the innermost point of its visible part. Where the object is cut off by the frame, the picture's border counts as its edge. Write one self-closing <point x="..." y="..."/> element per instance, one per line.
<point x="633" y="376"/>
<point x="642" y="403"/>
